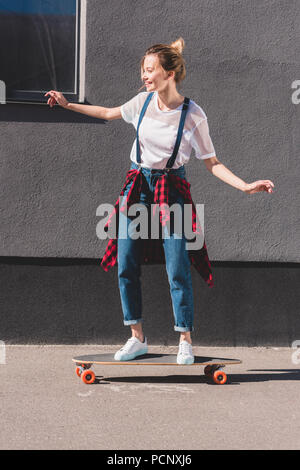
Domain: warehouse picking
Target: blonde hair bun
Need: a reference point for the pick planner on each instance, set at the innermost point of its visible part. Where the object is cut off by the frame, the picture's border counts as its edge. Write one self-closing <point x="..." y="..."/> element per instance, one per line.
<point x="178" y="45"/>
<point x="170" y="58"/>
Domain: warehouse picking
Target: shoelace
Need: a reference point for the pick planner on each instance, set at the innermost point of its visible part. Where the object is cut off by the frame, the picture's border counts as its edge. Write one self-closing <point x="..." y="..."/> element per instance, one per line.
<point x="185" y="349"/>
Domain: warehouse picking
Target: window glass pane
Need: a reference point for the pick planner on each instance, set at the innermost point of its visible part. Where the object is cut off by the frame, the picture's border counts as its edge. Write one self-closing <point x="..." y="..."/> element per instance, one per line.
<point x="38" y="44"/>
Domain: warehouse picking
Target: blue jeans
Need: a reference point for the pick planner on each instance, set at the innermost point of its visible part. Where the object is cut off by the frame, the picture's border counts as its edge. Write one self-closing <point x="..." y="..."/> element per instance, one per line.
<point x="178" y="263"/>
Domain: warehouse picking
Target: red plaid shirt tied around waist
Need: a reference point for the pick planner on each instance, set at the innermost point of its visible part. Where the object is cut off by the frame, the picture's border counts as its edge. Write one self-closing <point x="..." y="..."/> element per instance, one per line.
<point x="152" y="250"/>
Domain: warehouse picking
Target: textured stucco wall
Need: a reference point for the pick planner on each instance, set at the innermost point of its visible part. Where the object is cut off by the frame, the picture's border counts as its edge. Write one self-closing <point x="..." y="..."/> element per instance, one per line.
<point x="58" y="301"/>
<point x="56" y="166"/>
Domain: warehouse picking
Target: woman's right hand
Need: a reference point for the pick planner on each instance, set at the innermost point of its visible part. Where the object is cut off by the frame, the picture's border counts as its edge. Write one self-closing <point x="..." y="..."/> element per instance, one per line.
<point x="56" y="97"/>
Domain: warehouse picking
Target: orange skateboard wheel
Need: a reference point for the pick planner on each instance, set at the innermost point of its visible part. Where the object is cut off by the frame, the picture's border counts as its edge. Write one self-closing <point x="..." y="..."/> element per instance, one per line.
<point x="88" y="376"/>
<point x="219" y="377"/>
<point x="79" y="369"/>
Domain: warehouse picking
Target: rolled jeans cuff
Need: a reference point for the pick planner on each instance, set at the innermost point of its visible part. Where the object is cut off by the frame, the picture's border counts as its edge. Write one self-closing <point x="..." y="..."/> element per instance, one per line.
<point x="183" y="328"/>
<point x="132" y="322"/>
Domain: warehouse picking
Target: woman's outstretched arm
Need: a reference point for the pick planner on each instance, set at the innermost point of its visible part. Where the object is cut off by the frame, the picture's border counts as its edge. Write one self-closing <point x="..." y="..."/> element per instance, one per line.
<point x="56" y="97"/>
<point x="219" y="170"/>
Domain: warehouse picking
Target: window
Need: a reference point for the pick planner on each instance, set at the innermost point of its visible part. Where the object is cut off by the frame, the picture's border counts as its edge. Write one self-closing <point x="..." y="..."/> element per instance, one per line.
<point x="39" y="48"/>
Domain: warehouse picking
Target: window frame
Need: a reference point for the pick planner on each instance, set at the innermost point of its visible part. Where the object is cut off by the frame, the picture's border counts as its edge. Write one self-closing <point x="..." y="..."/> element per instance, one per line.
<point x="37" y="97"/>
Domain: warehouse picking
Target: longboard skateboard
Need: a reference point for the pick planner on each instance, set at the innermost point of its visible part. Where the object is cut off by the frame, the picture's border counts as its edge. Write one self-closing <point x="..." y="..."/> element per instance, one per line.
<point x="213" y="367"/>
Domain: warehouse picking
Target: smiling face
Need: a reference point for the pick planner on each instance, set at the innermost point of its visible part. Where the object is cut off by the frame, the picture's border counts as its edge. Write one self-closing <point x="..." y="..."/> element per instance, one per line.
<point x="155" y="77"/>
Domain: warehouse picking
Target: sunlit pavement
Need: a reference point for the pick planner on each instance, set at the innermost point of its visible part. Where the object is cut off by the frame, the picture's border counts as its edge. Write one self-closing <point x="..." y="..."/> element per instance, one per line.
<point x="45" y="405"/>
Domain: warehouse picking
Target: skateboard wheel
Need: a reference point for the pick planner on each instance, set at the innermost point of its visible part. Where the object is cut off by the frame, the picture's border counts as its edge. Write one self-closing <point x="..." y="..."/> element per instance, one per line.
<point x="208" y="370"/>
<point x="78" y="371"/>
<point x="88" y="376"/>
<point x="219" y="377"/>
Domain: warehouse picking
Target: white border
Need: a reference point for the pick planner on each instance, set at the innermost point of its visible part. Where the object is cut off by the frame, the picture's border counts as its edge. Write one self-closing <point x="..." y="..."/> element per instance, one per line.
<point x="82" y="51"/>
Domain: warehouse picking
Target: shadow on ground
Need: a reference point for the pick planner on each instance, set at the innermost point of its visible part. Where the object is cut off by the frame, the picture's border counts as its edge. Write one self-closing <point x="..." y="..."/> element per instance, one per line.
<point x="232" y="379"/>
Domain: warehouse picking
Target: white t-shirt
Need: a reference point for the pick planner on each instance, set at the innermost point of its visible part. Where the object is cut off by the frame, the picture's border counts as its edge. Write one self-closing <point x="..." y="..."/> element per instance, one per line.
<point x="158" y="132"/>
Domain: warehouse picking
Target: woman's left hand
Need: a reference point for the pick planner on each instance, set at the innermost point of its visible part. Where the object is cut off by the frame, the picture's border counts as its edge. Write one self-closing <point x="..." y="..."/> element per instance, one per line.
<point x="260" y="185"/>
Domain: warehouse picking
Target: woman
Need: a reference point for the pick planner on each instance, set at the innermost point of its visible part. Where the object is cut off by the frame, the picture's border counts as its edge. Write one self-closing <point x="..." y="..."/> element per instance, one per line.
<point x="163" y="110"/>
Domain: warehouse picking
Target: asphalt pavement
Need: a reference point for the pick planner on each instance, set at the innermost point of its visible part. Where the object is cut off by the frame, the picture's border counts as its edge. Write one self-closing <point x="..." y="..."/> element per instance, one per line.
<point x="44" y="405"/>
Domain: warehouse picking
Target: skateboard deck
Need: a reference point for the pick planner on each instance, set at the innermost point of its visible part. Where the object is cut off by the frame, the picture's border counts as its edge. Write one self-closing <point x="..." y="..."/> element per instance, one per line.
<point x="213" y="366"/>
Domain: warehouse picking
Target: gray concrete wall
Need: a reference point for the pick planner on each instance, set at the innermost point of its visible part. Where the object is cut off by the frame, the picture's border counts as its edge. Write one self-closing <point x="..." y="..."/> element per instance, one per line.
<point x="56" y="166"/>
<point x="75" y="302"/>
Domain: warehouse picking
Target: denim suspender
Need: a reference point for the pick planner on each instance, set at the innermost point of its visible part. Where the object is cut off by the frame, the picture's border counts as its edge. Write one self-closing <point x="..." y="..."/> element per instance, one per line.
<point x="138" y="153"/>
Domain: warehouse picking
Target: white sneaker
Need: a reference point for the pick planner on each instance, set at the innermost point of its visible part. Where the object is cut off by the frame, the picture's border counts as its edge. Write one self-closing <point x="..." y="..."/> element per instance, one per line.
<point x="185" y="354"/>
<point x="133" y="348"/>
